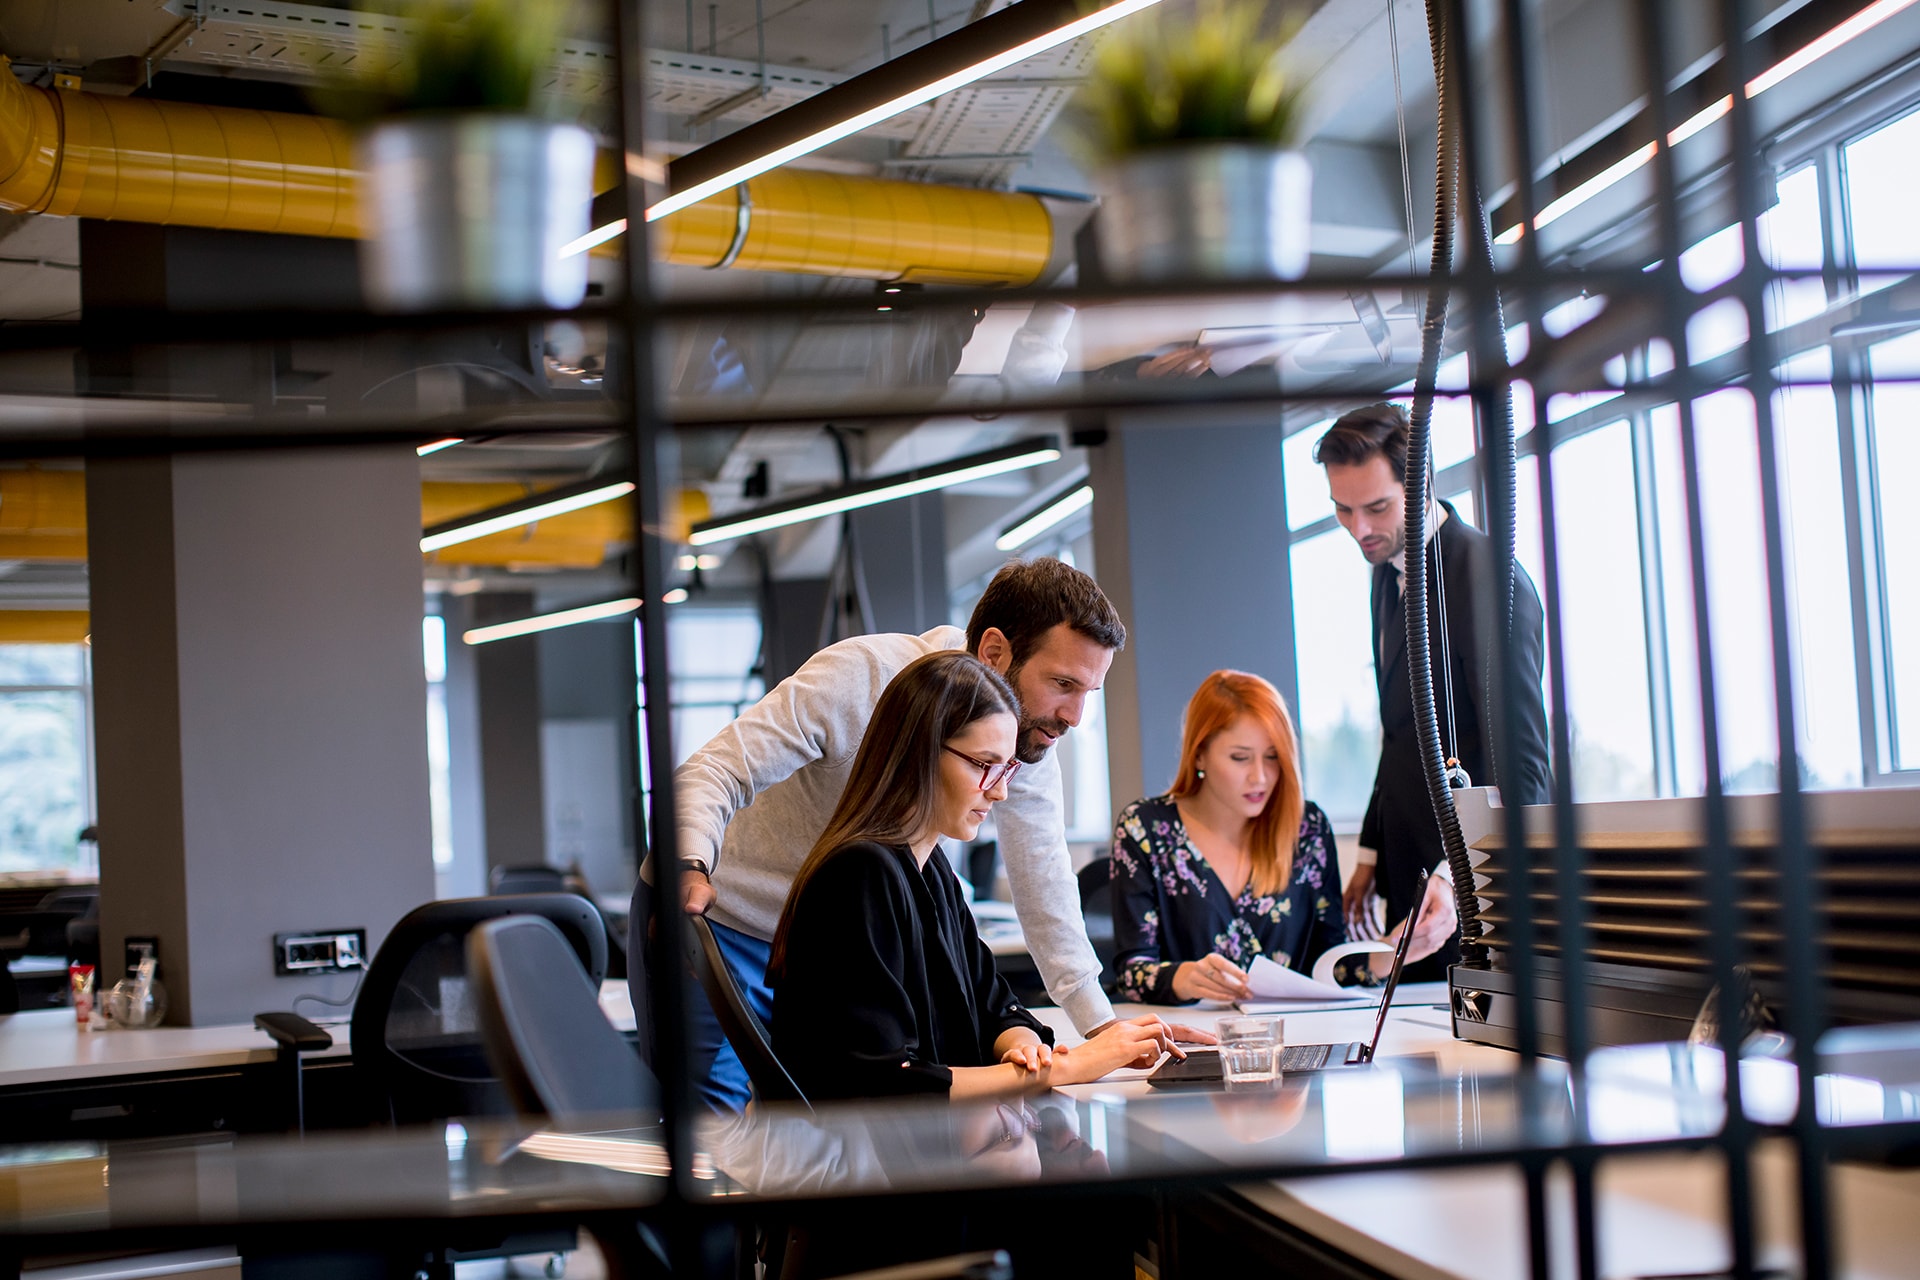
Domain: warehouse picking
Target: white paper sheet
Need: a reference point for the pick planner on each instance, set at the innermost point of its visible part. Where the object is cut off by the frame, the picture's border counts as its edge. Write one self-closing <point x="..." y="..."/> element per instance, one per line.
<point x="1269" y="981"/>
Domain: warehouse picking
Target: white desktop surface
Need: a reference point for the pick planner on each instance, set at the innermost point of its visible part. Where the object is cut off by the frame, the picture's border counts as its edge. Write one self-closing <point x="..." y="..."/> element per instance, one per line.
<point x="42" y="1046"/>
<point x="1658" y="1215"/>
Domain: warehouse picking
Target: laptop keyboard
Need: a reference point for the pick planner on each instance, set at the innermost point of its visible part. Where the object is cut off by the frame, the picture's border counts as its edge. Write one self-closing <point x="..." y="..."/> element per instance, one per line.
<point x="1305" y="1057"/>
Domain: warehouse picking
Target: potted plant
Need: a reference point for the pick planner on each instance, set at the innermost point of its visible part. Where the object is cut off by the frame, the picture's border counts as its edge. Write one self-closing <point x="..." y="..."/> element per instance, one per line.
<point x="468" y="188"/>
<point x="1190" y="121"/>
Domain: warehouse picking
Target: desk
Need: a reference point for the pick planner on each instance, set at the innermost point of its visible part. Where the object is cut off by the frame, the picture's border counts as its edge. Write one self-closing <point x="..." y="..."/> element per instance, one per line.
<point x="1658" y="1215"/>
<point x="57" y="1079"/>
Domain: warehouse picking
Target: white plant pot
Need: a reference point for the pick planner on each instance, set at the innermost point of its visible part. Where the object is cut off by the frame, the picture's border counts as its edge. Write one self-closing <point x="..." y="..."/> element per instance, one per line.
<point x="472" y="211"/>
<point x="1213" y="210"/>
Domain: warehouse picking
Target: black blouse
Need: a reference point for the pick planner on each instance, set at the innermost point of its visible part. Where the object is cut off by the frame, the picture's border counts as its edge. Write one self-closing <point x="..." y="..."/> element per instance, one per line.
<point x="1170" y="907"/>
<point x="887" y="984"/>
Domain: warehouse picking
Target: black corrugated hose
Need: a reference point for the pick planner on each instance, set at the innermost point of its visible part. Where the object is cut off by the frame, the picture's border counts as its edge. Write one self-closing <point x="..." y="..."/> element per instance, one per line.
<point x="1449" y="176"/>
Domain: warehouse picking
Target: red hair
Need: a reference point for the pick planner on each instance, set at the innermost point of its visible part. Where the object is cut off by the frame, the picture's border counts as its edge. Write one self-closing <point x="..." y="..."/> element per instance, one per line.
<point x="1222" y="698"/>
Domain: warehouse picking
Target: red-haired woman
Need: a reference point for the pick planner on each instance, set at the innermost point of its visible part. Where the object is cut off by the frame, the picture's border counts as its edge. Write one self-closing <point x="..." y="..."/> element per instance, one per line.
<point x="1233" y="862"/>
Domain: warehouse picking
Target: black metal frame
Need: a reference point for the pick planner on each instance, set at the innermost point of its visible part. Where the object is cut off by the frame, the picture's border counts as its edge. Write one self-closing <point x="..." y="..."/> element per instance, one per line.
<point x="639" y="316"/>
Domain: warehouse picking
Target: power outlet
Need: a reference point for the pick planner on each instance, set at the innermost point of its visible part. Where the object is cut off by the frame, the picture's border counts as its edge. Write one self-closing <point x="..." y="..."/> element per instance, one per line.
<point x="319" y="951"/>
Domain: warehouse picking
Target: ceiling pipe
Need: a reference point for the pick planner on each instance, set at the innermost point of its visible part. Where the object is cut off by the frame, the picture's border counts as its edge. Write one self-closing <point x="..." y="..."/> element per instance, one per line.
<point x="77" y="154"/>
<point x="43" y="518"/>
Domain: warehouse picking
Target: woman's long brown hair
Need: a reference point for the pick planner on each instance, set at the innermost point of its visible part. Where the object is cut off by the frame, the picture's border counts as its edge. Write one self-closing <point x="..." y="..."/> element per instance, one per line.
<point x="889" y="794"/>
<point x="1222" y="698"/>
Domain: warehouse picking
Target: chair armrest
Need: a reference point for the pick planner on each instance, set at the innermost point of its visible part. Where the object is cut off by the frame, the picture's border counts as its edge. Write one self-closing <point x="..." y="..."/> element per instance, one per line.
<point x="292" y="1031"/>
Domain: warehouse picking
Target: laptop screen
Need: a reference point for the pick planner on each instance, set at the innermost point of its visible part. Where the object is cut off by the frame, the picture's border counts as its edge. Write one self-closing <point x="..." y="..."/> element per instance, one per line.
<point x="1399" y="961"/>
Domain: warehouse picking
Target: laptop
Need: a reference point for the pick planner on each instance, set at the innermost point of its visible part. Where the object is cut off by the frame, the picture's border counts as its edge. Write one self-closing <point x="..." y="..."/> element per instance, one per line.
<point x="1201" y="1066"/>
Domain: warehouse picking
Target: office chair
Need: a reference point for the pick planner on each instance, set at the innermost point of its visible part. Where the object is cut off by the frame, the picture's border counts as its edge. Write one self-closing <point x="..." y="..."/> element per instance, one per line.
<point x="415" y="1040"/>
<point x="416" y="1045"/>
<point x="745" y="1032"/>
<point x="541" y="878"/>
<point x="558" y="1056"/>
<point x="539" y="1014"/>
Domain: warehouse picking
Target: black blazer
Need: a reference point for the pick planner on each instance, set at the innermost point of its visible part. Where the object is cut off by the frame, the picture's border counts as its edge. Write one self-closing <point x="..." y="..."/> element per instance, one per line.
<point x="887" y="986"/>
<point x="1400" y="824"/>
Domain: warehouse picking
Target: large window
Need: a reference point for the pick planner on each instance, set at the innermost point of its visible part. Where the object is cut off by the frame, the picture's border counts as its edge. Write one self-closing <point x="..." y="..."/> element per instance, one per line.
<point x="46" y="758"/>
<point x="714" y="654"/>
<point x="1842" y="218"/>
<point x="1896" y="457"/>
<point x="1339" y="711"/>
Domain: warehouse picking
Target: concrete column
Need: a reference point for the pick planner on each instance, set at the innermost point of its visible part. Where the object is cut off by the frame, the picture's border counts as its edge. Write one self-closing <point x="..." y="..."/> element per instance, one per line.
<point x="1189" y="528"/>
<point x="790" y="612"/>
<point x="903" y="545"/>
<point x="588" y="746"/>
<point x="507" y="689"/>
<point x="261" y="712"/>
<point x="466" y="876"/>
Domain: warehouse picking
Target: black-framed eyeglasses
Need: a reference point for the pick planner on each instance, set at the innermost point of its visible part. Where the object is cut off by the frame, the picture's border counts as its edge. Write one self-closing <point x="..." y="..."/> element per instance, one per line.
<point x="991" y="774"/>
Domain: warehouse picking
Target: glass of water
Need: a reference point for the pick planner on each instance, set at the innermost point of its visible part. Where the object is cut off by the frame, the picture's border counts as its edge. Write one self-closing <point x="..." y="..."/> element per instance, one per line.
<point x="1250" y="1052"/>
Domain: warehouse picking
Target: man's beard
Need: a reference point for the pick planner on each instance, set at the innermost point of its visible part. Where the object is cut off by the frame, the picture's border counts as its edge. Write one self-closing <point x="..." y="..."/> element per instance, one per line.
<point x="1394" y="548"/>
<point x="1033" y="747"/>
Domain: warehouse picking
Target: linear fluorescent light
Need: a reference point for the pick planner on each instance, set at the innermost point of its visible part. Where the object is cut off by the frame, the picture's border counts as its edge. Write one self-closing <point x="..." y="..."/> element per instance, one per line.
<point x="540" y="506"/>
<point x="594" y="238"/>
<point x="972" y="52"/>
<point x="1045" y="518"/>
<point x="902" y="484"/>
<point x="548" y="621"/>
<point x="1865" y="20"/>
<point x="437" y="445"/>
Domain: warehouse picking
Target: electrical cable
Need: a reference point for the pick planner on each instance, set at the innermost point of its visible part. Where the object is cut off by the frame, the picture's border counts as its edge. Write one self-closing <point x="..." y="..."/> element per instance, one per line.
<point x="1400" y="114"/>
<point x="1449" y="179"/>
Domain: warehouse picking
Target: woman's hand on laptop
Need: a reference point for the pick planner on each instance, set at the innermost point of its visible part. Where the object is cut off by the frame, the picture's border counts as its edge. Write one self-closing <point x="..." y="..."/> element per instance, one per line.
<point x="1134" y="1042"/>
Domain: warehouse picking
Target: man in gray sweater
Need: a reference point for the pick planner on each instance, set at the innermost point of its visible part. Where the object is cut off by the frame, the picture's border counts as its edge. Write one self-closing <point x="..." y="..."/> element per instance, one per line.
<point x="751" y="802"/>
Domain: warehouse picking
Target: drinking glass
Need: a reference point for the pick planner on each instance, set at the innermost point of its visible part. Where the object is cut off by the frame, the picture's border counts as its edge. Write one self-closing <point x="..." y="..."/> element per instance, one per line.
<point x="1249" y="1052"/>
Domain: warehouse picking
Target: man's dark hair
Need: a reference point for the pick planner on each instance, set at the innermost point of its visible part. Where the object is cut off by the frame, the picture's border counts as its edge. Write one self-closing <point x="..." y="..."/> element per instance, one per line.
<point x="1028" y="598"/>
<point x="1378" y="430"/>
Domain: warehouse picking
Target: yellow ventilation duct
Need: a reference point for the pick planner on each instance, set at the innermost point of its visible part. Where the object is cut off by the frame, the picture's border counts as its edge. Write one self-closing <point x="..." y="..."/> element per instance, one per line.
<point x="44" y="626"/>
<point x="86" y="155"/>
<point x="831" y="224"/>
<point x="90" y="156"/>
<point x="43" y="517"/>
<point x="576" y="540"/>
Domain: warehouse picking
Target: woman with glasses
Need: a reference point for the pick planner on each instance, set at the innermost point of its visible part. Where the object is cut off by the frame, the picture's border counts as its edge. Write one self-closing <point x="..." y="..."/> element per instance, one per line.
<point x="1232" y="863"/>
<point x="881" y="983"/>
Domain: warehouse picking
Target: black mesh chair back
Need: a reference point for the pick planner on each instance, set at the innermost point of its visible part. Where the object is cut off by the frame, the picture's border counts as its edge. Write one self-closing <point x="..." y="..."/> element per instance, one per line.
<point x="416" y="1038"/>
<point x="745" y="1032"/>
<point x="551" y="1047"/>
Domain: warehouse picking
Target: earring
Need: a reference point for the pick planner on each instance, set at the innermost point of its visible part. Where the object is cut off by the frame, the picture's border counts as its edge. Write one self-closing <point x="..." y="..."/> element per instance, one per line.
<point x="1199" y="773"/>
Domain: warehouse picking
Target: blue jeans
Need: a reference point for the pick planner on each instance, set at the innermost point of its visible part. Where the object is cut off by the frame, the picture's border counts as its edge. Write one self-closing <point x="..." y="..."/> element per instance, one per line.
<point x="719" y="1077"/>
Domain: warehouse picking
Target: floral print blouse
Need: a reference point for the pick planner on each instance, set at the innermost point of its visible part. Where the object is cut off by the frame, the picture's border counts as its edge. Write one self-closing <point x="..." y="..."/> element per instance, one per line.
<point x="1170" y="907"/>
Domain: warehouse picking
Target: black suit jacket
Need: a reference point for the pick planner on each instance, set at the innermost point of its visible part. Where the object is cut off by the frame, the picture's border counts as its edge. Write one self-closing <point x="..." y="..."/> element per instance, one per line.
<point x="1400" y="824"/>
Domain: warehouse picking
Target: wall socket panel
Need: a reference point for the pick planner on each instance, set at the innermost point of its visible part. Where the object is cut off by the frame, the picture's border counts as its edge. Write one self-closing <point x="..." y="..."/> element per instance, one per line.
<point x="319" y="951"/>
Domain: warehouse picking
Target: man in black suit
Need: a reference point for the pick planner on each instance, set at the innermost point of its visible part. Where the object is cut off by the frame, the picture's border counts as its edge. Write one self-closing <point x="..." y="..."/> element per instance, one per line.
<point x="1365" y="455"/>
